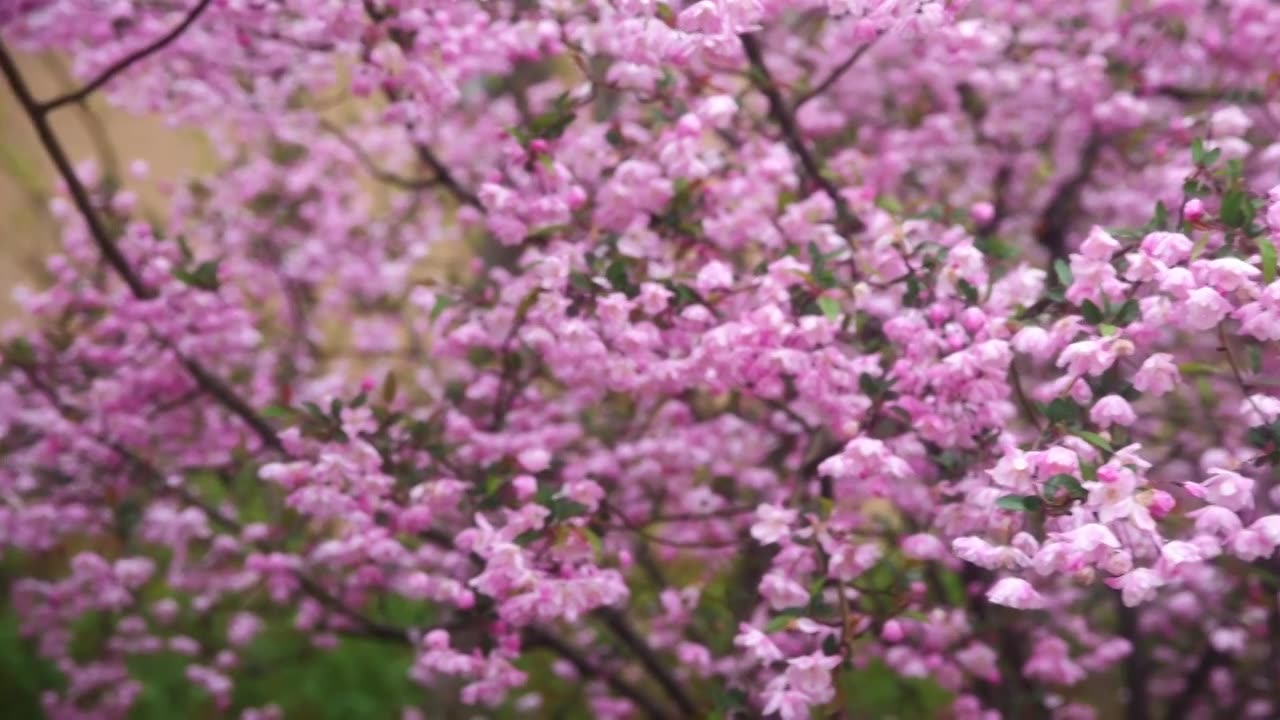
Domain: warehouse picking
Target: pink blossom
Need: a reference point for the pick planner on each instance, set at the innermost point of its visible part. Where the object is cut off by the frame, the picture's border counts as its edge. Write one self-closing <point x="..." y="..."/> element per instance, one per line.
<point x="1015" y="593"/>
<point x="1157" y="376"/>
<point x="1228" y="489"/>
<point x="1137" y="586"/>
<point x="1112" y="410"/>
<point x="1205" y="308"/>
<point x="773" y="524"/>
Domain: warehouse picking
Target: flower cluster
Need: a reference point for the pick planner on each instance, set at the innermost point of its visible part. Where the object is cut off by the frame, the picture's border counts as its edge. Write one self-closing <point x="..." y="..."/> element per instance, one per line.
<point x="647" y="359"/>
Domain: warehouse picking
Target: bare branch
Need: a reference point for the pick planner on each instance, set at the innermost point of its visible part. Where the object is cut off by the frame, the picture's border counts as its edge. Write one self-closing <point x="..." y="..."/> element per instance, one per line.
<point x="209" y="382"/>
<point x="834" y="76"/>
<point x="127" y="61"/>
<point x="660" y="670"/>
<point x="372" y="167"/>
<point x="1055" y="220"/>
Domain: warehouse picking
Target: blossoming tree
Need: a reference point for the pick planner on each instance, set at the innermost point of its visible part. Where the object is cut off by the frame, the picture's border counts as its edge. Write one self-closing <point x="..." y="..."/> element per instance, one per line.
<point x="803" y="349"/>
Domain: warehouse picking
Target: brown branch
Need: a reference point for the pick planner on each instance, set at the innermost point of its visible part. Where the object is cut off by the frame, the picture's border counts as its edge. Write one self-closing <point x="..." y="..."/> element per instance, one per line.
<point x="39" y="117"/>
<point x="155" y="478"/>
<point x="659" y="669"/>
<point x="446" y="178"/>
<point x="127" y="61"/>
<point x="781" y="113"/>
<point x="92" y="123"/>
<point x="1184" y="702"/>
<point x="1055" y="220"/>
<point x="1137" y="669"/>
<point x="371" y="166"/>
<point x="1000" y="208"/>
<point x="537" y="637"/>
<point x="79" y="194"/>
<point x="834" y="76"/>
<point x="1184" y="94"/>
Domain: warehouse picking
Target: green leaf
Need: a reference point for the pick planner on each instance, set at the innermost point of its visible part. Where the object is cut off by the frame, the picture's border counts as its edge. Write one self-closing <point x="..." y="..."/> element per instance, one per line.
<point x="1092" y="313"/>
<point x="1267" y="249"/>
<point x="389" y="388"/>
<point x="969" y="292"/>
<point x="19" y="352"/>
<point x="552" y="123"/>
<point x="547" y="231"/>
<point x="442" y="303"/>
<point x="871" y="386"/>
<point x="528" y="537"/>
<point x="1197" y="151"/>
<point x="996" y="248"/>
<point x="276" y="411"/>
<point x="830" y="307"/>
<point x="1160" y="220"/>
<point x="780" y="621"/>
<point x="1095" y="440"/>
<point x="1259" y="436"/>
<point x="564" y="508"/>
<point x="822" y="275"/>
<point x="204" y="277"/>
<point x="582" y="282"/>
<point x="1063" y="411"/>
<point x="1237" y="211"/>
<point x="1063" y="272"/>
<point x="1128" y="312"/>
<point x="185" y="249"/>
<point x="729" y="698"/>
<point x="1020" y="503"/>
<point x="685" y="295"/>
<point x="616" y="274"/>
<point x="1064" y="482"/>
<point x="1195" y="188"/>
<point x="1255" y="358"/>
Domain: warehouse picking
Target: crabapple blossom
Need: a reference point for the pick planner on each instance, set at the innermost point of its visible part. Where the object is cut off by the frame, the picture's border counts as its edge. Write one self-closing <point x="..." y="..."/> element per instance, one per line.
<point x="629" y="359"/>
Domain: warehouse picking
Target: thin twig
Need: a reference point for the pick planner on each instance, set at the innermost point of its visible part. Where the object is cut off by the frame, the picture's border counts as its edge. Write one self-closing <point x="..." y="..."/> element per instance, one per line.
<point x="1136" y="665"/>
<point x="660" y="670"/>
<point x="1181" y="705"/>
<point x="39" y="118"/>
<point x="446" y="178"/>
<point x="537" y="637"/>
<point x="834" y="76"/>
<point x="79" y="194"/>
<point x="371" y="166"/>
<point x="127" y="61"/>
<point x="1056" y="219"/>
<point x="781" y="113"/>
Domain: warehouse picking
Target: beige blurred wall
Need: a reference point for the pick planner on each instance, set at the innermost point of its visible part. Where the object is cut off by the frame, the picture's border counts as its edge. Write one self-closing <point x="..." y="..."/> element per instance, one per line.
<point x="27" y="233"/>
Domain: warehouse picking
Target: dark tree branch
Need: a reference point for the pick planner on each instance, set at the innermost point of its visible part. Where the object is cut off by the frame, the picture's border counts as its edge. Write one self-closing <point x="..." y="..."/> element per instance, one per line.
<point x="660" y="670"/>
<point x="537" y="637"/>
<point x="39" y="117"/>
<point x="1184" y="94"/>
<point x="371" y="167"/>
<point x="781" y="114"/>
<point x="1055" y="221"/>
<point x="79" y="194"/>
<point x="1137" y="666"/>
<point x="127" y="61"/>
<point x="1184" y="702"/>
<point x="834" y="76"/>
<point x="446" y="178"/>
<point x="154" y="478"/>
<point x="1000" y="210"/>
